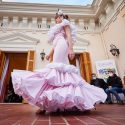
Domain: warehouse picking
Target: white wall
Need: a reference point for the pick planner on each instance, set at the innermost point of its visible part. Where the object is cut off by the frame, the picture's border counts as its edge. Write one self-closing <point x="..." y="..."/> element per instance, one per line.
<point x="42" y="36"/>
<point x="95" y="48"/>
<point x="115" y="34"/>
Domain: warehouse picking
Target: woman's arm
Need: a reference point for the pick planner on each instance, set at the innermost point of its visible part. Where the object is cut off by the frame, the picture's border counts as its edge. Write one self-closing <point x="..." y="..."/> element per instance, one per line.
<point x="50" y="55"/>
<point x="69" y="40"/>
<point x="68" y="34"/>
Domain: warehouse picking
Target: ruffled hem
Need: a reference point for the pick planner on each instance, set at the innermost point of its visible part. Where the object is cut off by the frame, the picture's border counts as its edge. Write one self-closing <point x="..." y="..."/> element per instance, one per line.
<point x="59" y="74"/>
<point x="56" y="86"/>
<point x="68" y="97"/>
<point x="56" y="29"/>
<point x="61" y="67"/>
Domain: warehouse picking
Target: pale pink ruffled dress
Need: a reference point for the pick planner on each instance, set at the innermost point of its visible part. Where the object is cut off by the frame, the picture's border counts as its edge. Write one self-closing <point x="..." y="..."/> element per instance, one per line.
<point x="58" y="85"/>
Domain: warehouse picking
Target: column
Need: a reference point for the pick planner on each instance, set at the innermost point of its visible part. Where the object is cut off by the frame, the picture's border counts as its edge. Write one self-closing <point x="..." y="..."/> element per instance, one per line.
<point x="34" y="23"/>
<point x="15" y="22"/>
<point x="24" y="22"/>
<point x="72" y="21"/>
<point x="102" y="19"/>
<point x="92" y="24"/>
<point x="109" y="9"/>
<point x="81" y="24"/>
<point x="52" y="21"/>
<point x="4" y="24"/>
<point x="44" y="23"/>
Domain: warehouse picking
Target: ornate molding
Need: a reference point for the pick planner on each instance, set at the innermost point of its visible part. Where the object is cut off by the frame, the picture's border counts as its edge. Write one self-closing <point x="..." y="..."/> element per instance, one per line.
<point x="113" y="16"/>
<point x="18" y="38"/>
<point x="82" y="42"/>
<point x="50" y="9"/>
<point x="81" y="45"/>
<point x="45" y="12"/>
<point x="18" y="42"/>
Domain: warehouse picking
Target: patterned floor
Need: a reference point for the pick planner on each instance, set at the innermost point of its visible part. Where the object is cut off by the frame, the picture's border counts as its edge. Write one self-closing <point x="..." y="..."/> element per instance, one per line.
<point x="24" y="114"/>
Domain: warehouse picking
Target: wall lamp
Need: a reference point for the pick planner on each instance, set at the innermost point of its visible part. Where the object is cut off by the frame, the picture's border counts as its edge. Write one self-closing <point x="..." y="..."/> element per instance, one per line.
<point x="42" y="54"/>
<point x="114" y="50"/>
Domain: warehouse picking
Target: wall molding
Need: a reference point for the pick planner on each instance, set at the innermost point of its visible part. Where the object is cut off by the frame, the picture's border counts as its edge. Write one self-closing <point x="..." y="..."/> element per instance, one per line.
<point x="18" y="42"/>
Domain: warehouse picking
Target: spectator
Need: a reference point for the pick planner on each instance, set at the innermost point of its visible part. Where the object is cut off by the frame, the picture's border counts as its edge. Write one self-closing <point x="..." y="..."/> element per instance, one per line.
<point x="115" y="87"/>
<point x="98" y="82"/>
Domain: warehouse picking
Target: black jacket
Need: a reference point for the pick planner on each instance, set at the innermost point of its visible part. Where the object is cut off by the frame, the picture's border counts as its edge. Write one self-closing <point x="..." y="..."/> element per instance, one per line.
<point x="99" y="83"/>
<point x="115" y="81"/>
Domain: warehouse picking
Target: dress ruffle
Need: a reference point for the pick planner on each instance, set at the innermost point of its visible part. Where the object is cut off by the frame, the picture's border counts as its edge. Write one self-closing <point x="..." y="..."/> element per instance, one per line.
<point x="61" y="67"/>
<point x="57" y="28"/>
<point x="57" y="86"/>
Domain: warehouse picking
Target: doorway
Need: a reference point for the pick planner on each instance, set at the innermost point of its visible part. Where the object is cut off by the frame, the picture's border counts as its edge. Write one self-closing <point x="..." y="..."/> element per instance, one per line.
<point x="83" y="62"/>
<point x="12" y="60"/>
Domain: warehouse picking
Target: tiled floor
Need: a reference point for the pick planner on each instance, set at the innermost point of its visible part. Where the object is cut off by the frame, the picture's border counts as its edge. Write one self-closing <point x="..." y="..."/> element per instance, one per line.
<point x="24" y="114"/>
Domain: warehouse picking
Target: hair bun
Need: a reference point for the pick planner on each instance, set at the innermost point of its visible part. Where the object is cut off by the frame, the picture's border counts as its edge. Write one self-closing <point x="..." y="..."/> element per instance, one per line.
<point x="60" y="12"/>
<point x="66" y="17"/>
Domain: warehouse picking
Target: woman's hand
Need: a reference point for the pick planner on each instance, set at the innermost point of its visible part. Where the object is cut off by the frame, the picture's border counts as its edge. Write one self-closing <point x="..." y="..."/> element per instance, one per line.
<point x="48" y="57"/>
<point x="71" y="54"/>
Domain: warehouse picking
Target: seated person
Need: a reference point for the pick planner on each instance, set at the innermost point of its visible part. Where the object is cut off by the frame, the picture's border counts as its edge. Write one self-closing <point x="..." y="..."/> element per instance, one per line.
<point x="98" y="82"/>
<point x="115" y="87"/>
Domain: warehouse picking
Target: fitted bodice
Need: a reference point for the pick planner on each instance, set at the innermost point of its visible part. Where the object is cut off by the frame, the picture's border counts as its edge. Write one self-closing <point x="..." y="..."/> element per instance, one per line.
<point x="57" y="31"/>
<point x="59" y="35"/>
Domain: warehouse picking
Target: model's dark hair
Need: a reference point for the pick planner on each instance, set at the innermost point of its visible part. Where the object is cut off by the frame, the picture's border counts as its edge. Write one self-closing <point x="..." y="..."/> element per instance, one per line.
<point x="58" y="15"/>
<point x="64" y="16"/>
